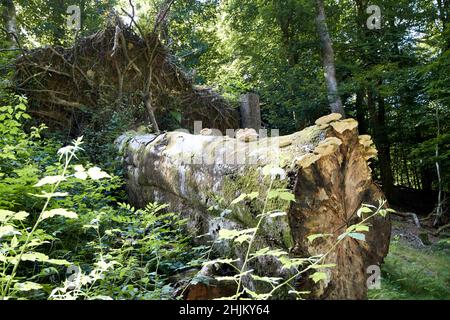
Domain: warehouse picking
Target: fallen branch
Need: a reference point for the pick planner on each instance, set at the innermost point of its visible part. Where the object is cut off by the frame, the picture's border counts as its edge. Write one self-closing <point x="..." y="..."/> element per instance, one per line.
<point x="409" y="215"/>
<point x="441" y="229"/>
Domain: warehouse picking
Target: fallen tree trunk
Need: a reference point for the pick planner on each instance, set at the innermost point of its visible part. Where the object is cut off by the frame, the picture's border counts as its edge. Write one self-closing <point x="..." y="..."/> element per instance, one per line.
<point x="327" y="169"/>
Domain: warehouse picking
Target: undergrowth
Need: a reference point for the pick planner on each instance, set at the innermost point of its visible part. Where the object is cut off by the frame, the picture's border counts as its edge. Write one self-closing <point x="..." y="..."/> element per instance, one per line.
<point x="415" y="273"/>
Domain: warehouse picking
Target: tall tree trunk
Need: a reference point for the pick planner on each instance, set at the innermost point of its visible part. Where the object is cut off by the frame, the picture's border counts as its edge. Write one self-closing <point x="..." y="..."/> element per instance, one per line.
<point x="443" y="8"/>
<point x="361" y="111"/>
<point x="439" y="206"/>
<point x="284" y="20"/>
<point x="10" y="21"/>
<point x="384" y="151"/>
<point x="328" y="60"/>
<point x="381" y="139"/>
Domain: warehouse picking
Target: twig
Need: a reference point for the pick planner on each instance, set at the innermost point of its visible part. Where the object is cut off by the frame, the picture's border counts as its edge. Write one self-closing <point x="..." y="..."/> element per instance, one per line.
<point x="441" y="229"/>
<point x="135" y="23"/>
<point x="10" y="49"/>
<point x="408" y="215"/>
<point x="162" y="14"/>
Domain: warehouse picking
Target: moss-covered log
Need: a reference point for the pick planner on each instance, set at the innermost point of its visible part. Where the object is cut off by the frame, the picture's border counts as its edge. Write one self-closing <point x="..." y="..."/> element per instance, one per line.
<point x="327" y="170"/>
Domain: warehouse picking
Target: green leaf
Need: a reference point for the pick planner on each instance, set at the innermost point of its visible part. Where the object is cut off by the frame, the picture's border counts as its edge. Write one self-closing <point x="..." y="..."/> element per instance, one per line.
<point x="80" y="172"/>
<point x="5" y="215"/>
<point x="220" y="261"/>
<point x="80" y="175"/>
<point x="273" y="194"/>
<point x="342" y="236"/>
<point x="79" y="168"/>
<point x="59" y="262"/>
<point x="36" y="242"/>
<point x="20" y="216"/>
<point x="358" y="228"/>
<point x="287" y="196"/>
<point x="49" y="180"/>
<point x="257" y="296"/>
<point x="14" y="242"/>
<point x="50" y="195"/>
<point x="34" y="256"/>
<point x="268" y="252"/>
<point x="323" y="266"/>
<point x="362" y="228"/>
<point x="6" y="231"/>
<point x="283" y="194"/>
<point x="299" y="293"/>
<point x="225" y="234"/>
<point x="243" y="238"/>
<point x="357" y="236"/>
<point x="273" y="280"/>
<point x="253" y="195"/>
<point x="27" y="286"/>
<point x="318" y="276"/>
<point x="363" y="210"/>
<point x="176" y="115"/>
<point x="59" y="212"/>
<point x="239" y="199"/>
<point x="96" y="173"/>
<point x="313" y="237"/>
<point x="227" y="278"/>
<point x="101" y="298"/>
<point x="277" y="214"/>
<point x="244" y="196"/>
<point x="289" y="263"/>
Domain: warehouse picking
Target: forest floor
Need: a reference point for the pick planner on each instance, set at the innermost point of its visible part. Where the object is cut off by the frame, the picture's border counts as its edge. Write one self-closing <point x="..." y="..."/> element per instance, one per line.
<point x="416" y="267"/>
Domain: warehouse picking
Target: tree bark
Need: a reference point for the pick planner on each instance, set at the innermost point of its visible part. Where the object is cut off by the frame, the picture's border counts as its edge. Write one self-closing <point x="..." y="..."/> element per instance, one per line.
<point x="384" y="149"/>
<point x="361" y="111"/>
<point x="327" y="169"/>
<point x="328" y="60"/>
<point x="381" y="138"/>
<point x="443" y="8"/>
<point x="151" y="113"/>
<point x="10" y="21"/>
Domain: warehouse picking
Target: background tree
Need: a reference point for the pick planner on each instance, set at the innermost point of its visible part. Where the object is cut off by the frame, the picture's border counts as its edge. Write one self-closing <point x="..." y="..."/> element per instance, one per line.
<point x="328" y="60"/>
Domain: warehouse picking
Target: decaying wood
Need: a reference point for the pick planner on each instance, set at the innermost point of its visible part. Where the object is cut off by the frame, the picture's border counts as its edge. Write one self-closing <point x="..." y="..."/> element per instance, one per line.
<point x="327" y="170"/>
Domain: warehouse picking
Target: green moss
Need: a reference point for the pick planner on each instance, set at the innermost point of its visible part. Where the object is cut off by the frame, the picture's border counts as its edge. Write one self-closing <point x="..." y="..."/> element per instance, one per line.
<point x="252" y="181"/>
<point x="247" y="212"/>
<point x="287" y="237"/>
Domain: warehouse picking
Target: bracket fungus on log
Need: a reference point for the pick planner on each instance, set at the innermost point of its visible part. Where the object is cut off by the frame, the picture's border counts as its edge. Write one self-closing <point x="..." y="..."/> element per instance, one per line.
<point x="327" y="171"/>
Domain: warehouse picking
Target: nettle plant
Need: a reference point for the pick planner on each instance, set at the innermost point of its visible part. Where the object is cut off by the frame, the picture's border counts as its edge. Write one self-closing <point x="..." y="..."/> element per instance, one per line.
<point x="137" y="251"/>
<point x="20" y="244"/>
<point x="298" y="267"/>
<point x="18" y="151"/>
